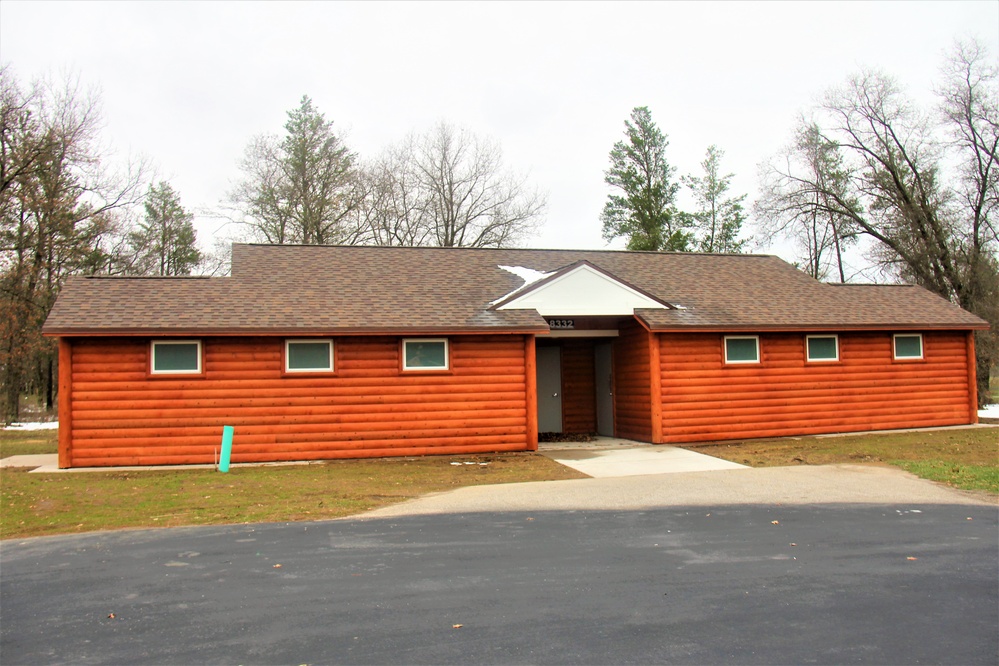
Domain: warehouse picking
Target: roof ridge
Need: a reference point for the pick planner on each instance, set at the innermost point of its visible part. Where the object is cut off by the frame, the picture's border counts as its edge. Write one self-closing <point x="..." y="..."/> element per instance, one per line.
<point x="865" y="284"/>
<point x="148" y="277"/>
<point x="516" y="249"/>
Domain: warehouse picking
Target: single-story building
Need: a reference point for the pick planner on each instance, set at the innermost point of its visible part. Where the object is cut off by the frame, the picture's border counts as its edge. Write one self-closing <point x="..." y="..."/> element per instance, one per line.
<point x="315" y="352"/>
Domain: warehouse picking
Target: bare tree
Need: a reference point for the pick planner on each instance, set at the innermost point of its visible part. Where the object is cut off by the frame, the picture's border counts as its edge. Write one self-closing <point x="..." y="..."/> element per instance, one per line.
<point x="969" y="107"/>
<point x="449" y="188"/>
<point x="930" y="224"/>
<point x="395" y="207"/>
<point x="59" y="198"/>
<point x="790" y="206"/>
<point x="302" y="188"/>
<point x="217" y="261"/>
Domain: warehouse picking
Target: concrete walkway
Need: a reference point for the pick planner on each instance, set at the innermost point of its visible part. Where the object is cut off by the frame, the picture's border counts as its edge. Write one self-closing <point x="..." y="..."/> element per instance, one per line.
<point x="606" y="457"/>
<point x="807" y="484"/>
<point x="32" y="460"/>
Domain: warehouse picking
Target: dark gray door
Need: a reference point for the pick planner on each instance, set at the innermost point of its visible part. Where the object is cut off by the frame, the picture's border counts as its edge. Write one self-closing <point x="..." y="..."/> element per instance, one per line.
<point x="604" y="369"/>
<point x="549" y="360"/>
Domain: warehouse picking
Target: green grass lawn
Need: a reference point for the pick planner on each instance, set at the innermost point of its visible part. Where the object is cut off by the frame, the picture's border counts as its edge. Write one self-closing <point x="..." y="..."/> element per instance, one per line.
<point x="44" y="504"/>
<point x="27" y="442"/>
<point x="41" y="504"/>
<point x="968" y="477"/>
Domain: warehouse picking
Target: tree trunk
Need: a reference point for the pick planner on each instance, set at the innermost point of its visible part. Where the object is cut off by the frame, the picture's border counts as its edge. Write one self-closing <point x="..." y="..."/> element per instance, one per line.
<point x="839" y="250"/>
<point x="12" y="388"/>
<point x="49" y="384"/>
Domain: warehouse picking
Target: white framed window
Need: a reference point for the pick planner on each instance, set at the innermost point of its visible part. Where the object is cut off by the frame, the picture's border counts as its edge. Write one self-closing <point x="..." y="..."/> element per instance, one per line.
<point x="822" y="348"/>
<point x="742" y="349"/>
<point x="425" y="354"/>
<point x="907" y="346"/>
<point x="308" y="355"/>
<point x="175" y="357"/>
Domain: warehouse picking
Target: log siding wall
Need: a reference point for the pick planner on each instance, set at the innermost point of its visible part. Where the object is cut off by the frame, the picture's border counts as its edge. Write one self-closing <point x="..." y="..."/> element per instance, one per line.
<point x="632" y="382"/>
<point x="704" y="399"/>
<point x="119" y="415"/>
<point x="113" y="413"/>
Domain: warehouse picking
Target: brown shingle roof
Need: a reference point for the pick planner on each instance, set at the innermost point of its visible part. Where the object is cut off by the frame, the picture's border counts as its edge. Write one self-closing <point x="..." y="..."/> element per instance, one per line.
<point x="315" y="289"/>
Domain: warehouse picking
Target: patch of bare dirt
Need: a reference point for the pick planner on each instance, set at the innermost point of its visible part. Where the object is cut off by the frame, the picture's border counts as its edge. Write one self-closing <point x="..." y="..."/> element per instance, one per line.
<point x="552" y="437"/>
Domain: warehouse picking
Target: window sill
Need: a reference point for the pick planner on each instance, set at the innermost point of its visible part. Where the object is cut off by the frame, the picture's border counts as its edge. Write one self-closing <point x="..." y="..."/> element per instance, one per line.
<point x="425" y="373"/>
<point x="175" y="375"/>
<point x="307" y="374"/>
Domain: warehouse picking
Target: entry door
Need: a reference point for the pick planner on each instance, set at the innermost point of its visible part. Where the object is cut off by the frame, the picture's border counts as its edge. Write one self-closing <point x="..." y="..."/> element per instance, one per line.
<point x="603" y="369"/>
<point x="549" y="360"/>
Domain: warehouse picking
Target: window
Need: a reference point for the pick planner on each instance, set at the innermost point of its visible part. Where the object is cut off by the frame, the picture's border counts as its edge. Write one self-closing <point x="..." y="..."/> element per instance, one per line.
<point x="822" y="347"/>
<point x="424" y="354"/>
<point x="176" y="357"/>
<point x="908" y="346"/>
<point x="742" y="349"/>
<point x="308" y="356"/>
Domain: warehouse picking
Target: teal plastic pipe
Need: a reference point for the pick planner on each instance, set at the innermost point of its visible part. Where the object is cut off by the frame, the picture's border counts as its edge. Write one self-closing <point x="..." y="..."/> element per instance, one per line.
<point x="226" y="448"/>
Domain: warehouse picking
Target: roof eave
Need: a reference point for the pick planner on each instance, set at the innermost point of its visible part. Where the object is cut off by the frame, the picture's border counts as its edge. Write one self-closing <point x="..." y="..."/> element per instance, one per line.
<point x="778" y="328"/>
<point x="284" y="332"/>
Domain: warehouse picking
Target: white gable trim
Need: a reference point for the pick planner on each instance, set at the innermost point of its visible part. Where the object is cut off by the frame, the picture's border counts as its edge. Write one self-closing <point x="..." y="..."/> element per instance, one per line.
<point x="583" y="291"/>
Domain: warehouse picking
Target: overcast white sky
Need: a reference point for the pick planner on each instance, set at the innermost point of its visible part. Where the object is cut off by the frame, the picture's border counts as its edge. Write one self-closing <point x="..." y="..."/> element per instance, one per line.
<point x="187" y="84"/>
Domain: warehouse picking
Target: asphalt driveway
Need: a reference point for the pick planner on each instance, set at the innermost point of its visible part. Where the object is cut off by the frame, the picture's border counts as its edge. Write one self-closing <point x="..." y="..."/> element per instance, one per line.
<point x="743" y="584"/>
<point x="897" y="580"/>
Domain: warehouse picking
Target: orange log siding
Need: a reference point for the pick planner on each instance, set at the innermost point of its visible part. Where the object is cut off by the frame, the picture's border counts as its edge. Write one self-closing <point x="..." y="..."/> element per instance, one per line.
<point x="531" y="384"/>
<point x="703" y="399"/>
<point x="972" y="378"/>
<point x="579" y="401"/>
<point x="65" y="401"/>
<point x="119" y="415"/>
<point x="633" y="396"/>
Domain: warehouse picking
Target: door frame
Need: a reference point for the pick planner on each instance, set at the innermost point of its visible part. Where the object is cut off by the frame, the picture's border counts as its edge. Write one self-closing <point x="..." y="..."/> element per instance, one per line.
<point x="605" y="347"/>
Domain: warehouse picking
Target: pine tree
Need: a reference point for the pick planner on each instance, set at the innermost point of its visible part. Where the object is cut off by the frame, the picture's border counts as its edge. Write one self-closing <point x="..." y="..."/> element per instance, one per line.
<point x="302" y="188"/>
<point x="165" y="242"/>
<point x="718" y="218"/>
<point x="644" y="210"/>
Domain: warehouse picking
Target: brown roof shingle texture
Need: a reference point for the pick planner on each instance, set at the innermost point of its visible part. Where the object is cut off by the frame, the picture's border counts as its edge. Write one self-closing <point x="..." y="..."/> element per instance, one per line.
<point x="314" y="289"/>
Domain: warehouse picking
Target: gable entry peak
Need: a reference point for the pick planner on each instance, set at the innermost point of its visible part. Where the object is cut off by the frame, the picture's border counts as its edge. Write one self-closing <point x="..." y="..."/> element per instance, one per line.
<point x="580" y="290"/>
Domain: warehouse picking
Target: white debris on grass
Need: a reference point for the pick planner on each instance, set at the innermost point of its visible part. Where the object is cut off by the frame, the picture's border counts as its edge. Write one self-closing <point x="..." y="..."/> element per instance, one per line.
<point x="990" y="412"/>
<point x="528" y="275"/>
<point x="45" y="425"/>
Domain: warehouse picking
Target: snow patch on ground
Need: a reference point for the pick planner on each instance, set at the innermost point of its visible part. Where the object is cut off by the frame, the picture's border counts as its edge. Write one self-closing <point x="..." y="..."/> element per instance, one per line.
<point x="990" y="412"/>
<point x="47" y="425"/>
